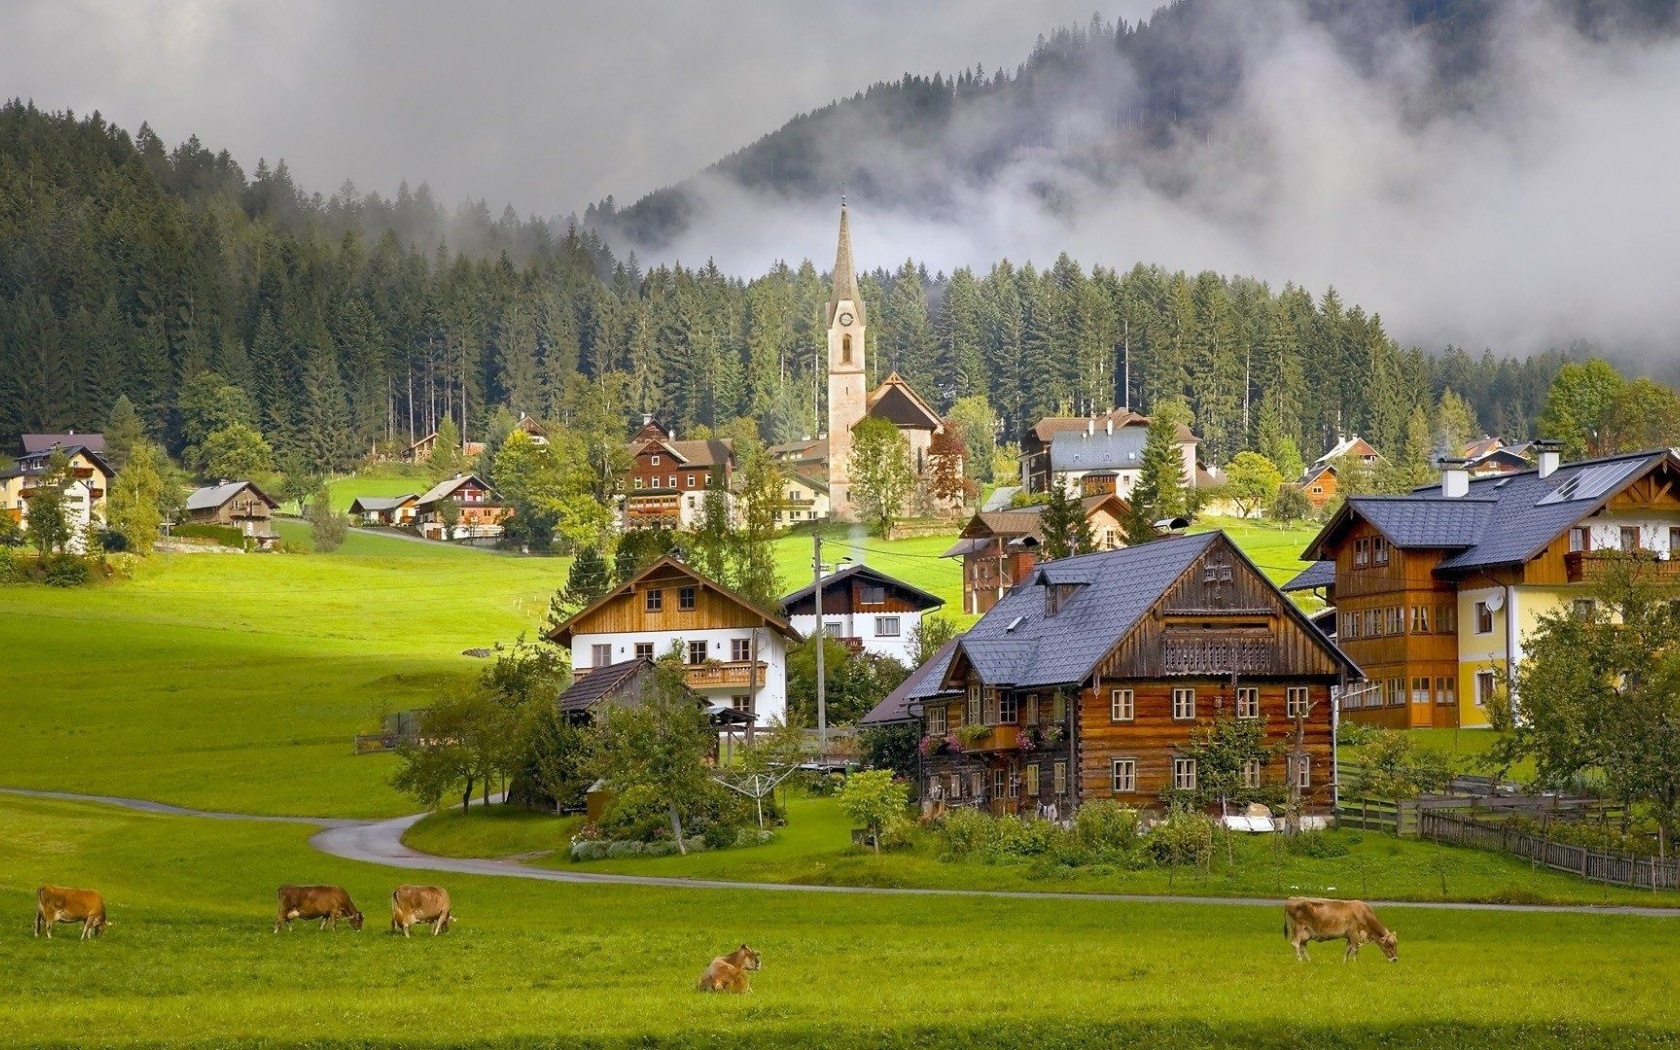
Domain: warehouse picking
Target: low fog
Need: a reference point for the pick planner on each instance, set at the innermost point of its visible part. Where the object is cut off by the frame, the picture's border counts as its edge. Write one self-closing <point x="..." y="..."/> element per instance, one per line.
<point x="1540" y="212"/>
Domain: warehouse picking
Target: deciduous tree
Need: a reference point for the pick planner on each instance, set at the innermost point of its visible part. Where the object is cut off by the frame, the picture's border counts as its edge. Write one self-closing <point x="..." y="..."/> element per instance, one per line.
<point x="660" y="745"/>
<point x="880" y="472"/>
<point x="1252" y="482"/>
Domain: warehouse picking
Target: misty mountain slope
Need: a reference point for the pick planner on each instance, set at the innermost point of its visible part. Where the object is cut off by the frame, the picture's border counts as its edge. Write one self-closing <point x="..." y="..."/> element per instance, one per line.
<point x="1105" y="101"/>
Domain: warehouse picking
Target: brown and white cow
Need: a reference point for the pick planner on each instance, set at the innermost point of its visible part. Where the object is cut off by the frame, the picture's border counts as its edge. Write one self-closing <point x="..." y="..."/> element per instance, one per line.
<point x="60" y="904"/>
<point x="423" y="904"/>
<point x="327" y="903"/>
<point x="1318" y="919"/>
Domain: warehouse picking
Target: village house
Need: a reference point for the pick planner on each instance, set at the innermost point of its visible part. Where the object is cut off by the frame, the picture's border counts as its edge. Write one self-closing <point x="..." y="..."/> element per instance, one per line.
<point x="807" y="499"/>
<point x="236" y="504"/>
<point x="1490" y="455"/>
<point x="480" y="512"/>
<point x="999" y="548"/>
<point x="736" y="654"/>
<point x="385" y="510"/>
<point x="668" y="479"/>
<point x="864" y="608"/>
<point x="1097" y="455"/>
<point x="1436" y="590"/>
<point x="1088" y="680"/>
<point x="86" y="491"/>
<point x="421" y="450"/>
<point x="1320" y="480"/>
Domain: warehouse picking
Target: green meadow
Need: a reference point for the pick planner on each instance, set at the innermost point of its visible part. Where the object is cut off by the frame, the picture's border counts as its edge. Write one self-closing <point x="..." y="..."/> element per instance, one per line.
<point x="189" y="961"/>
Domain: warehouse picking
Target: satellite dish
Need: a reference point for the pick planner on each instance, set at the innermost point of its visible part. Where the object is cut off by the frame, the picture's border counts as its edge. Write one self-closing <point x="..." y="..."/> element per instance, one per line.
<point x="1496" y="601"/>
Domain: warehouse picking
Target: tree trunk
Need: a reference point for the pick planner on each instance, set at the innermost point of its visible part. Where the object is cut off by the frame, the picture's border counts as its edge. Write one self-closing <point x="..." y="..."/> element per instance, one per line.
<point x="676" y="829"/>
<point x="466" y="796"/>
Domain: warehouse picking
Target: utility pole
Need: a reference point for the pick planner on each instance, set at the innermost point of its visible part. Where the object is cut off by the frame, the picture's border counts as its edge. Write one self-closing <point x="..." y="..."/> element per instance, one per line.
<point x="822" y="643"/>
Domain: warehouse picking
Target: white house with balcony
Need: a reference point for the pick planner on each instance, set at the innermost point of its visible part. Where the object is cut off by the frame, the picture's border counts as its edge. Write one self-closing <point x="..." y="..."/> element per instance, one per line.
<point x="734" y="654"/>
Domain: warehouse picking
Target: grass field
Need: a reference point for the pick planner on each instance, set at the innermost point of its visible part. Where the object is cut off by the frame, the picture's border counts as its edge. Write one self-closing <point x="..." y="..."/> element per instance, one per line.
<point x="238" y="681"/>
<point x="1275" y="549"/>
<point x="189" y="961"/>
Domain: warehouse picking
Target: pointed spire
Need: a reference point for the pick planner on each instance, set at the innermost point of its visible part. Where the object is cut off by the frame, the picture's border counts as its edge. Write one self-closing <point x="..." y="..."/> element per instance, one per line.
<point x="845" y="277"/>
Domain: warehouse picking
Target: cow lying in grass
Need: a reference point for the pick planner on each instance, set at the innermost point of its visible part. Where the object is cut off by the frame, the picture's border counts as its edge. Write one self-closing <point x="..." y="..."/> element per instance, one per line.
<point x="728" y="973"/>
<point x="1317" y="919"/>
<point x="55" y="904"/>
<point x="422" y="904"/>
<point x="327" y="903"/>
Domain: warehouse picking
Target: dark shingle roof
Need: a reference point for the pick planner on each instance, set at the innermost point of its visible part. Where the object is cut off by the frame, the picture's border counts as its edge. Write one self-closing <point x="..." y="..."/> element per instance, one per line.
<point x="212" y="496"/>
<point x="1318" y="574"/>
<point x="1503" y="519"/>
<point x="922" y="599"/>
<point x="588" y="690"/>
<point x="374" y="503"/>
<point x="44" y="442"/>
<point x="923" y="683"/>
<point x="1017" y="643"/>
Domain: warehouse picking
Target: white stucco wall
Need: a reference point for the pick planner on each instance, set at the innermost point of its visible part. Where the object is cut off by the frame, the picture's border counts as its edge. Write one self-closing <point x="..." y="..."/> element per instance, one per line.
<point x="771" y="698"/>
<point x="862" y="626"/>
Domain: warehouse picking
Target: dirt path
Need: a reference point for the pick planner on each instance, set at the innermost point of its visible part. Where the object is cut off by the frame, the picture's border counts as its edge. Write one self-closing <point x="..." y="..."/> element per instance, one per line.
<point x="380" y="842"/>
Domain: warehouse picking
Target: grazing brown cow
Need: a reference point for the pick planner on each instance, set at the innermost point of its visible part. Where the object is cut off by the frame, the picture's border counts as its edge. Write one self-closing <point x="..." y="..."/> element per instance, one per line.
<point x="728" y="973"/>
<point x="426" y="904"/>
<point x="1317" y="919"/>
<point x="327" y="903"/>
<point x="60" y="904"/>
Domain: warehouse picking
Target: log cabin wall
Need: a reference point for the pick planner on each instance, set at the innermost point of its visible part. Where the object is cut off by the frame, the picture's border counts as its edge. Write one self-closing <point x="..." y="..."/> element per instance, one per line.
<point x="1397" y="620"/>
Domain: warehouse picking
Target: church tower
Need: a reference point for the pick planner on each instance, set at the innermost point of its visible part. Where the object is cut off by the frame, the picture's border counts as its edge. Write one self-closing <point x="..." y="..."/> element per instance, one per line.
<point x="847" y="396"/>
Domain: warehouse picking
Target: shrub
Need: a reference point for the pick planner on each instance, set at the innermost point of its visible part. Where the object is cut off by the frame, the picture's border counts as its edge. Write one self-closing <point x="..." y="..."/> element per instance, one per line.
<point x="637" y="815"/>
<point x="968" y="833"/>
<point x="1185" y="837"/>
<point x="64" y="570"/>
<point x="719" y="835"/>
<point x="1105" y="826"/>
<point x="225" y="535"/>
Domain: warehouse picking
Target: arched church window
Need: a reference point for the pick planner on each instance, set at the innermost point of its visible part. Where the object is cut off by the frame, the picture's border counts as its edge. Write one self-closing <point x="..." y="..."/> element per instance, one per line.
<point x="845" y="349"/>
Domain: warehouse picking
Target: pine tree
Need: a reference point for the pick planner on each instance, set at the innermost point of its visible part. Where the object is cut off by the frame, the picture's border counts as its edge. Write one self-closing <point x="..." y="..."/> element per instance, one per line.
<point x="1275" y="444"/>
<point x="446" y="460"/>
<point x="1161" y="491"/>
<point x="1066" y="530"/>
<point x="586" y="581"/>
<point x="123" y="433"/>
<point x="324" y="434"/>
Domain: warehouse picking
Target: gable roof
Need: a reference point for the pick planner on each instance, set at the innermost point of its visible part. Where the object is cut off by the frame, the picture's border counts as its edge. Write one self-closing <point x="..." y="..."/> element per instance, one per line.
<point x="597" y="684"/>
<point x="1504" y="519"/>
<point x="925" y="682"/>
<point x="444" y="488"/>
<point x="563" y="633"/>
<point x="1080" y="450"/>
<point x="212" y="496"/>
<point x="1022" y="523"/>
<point x="36" y="462"/>
<point x="364" y="504"/>
<point x="897" y="402"/>
<point x="915" y="595"/>
<point x="1318" y="574"/>
<point x="1353" y="445"/>
<point x="44" y="442"/>
<point x="1019" y="644"/>
<point x="1045" y="430"/>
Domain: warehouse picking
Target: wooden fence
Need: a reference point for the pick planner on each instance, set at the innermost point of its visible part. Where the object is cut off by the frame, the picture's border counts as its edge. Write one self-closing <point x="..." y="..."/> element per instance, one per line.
<point x="1370" y="814"/>
<point x="1620" y="869"/>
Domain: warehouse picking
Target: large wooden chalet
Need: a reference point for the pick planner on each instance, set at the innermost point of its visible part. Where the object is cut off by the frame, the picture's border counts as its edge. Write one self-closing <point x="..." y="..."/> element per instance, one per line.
<point x="1435" y="591"/>
<point x="1087" y="680"/>
<point x="666" y="484"/>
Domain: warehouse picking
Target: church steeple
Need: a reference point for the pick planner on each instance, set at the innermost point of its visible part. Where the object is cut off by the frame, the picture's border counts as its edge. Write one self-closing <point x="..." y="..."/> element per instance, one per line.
<point x="845" y="277"/>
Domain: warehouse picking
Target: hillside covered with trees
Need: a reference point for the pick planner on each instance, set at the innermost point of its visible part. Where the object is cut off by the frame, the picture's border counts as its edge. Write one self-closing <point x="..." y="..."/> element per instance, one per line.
<point x="129" y="268"/>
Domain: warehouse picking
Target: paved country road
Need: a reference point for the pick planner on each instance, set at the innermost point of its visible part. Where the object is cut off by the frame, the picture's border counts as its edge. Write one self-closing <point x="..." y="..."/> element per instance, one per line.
<point x="380" y="842"/>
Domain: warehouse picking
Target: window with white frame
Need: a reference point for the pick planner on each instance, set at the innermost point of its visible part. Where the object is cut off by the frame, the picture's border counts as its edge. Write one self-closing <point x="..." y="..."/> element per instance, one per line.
<point x="673" y="481"/>
<point x="886" y="627"/>
<point x="973" y="705"/>
<point x="1032" y="711"/>
<point x="1302" y="767"/>
<point x="1248" y="701"/>
<point x="653" y="461"/>
<point x="1184" y="774"/>
<point x="644" y="650"/>
<point x="1124" y="775"/>
<point x="999" y="783"/>
<point x="1251" y="773"/>
<point x="1484" y="618"/>
<point x="600" y="655"/>
<point x="691" y="481"/>
<point x="1486" y="683"/>
<point x="1296" y="700"/>
<point x="1183" y="703"/>
<point x="989" y="706"/>
<point x="1058" y="777"/>
<point x="1122" y="706"/>
<point x="937" y="720"/>
<point x="976" y="783"/>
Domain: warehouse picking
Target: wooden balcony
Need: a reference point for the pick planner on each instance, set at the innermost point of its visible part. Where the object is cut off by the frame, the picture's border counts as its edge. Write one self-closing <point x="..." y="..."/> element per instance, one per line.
<point x="725" y="675"/>
<point x="1593" y="566"/>
<point x="1001" y="738"/>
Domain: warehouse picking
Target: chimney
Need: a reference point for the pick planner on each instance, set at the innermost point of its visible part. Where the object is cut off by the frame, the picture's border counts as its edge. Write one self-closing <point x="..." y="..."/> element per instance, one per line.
<point x="1455" y="479"/>
<point x="1090" y="427"/>
<point x="1548" y="450"/>
<point x="1110" y="426"/>
<point x="647" y="417"/>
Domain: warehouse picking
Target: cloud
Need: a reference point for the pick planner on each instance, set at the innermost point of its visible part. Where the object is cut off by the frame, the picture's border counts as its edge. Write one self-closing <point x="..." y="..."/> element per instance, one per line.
<point x="1538" y="212"/>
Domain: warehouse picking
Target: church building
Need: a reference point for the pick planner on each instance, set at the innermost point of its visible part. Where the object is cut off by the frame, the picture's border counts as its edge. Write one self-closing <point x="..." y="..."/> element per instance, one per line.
<point x="850" y="400"/>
